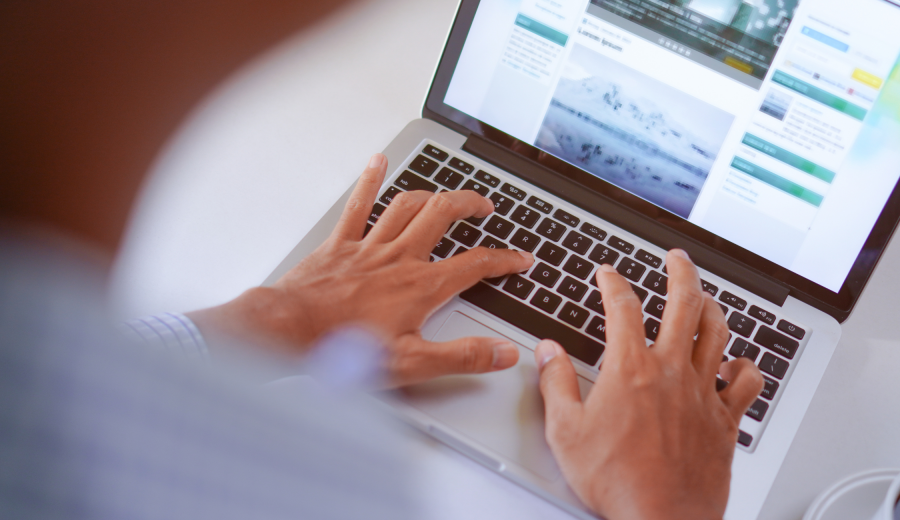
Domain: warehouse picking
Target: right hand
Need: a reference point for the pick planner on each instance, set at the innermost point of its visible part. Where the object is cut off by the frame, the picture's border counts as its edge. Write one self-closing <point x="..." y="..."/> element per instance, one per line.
<point x="653" y="439"/>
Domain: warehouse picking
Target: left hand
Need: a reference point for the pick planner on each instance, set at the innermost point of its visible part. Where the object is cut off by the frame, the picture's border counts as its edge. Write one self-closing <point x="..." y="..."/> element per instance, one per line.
<point x="384" y="282"/>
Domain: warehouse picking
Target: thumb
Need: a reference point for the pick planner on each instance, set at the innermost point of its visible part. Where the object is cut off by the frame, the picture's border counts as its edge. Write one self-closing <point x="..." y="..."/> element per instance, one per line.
<point x="559" y="386"/>
<point x="423" y="360"/>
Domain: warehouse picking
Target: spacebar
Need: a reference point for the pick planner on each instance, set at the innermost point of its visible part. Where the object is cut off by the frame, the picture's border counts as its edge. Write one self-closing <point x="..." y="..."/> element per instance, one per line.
<point x="533" y="322"/>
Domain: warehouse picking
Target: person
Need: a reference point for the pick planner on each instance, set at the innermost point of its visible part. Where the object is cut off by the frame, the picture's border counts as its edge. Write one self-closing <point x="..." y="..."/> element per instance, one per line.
<point x="93" y="427"/>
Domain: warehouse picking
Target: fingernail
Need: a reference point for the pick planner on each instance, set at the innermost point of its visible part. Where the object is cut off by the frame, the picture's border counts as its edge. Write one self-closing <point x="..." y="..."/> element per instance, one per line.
<point x="545" y="351"/>
<point x="527" y="256"/>
<point x="505" y="355"/>
<point x="376" y="160"/>
<point x="607" y="268"/>
<point x="680" y="253"/>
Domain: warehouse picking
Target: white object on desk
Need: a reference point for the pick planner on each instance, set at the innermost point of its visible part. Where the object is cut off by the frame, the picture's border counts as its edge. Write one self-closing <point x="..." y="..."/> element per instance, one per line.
<point x="858" y="496"/>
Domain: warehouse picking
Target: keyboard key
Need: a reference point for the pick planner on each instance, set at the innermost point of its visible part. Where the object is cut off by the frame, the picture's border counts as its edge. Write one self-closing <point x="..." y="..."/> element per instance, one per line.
<point x="389" y="195"/>
<point x="437" y="153"/>
<point x="546" y="301"/>
<point x="525" y="217"/>
<point x="621" y="245"/>
<point x="578" y="242"/>
<point x="443" y="248"/>
<point x="777" y="342"/>
<point x="512" y="191"/>
<point x="572" y="289"/>
<point x="499" y="227"/>
<point x="656" y="307"/>
<point x="476" y="221"/>
<point x="524" y="240"/>
<point x="597" y="328"/>
<point x="720" y="384"/>
<point x="492" y="243"/>
<point x="449" y="178"/>
<point x="423" y="165"/>
<point x="494" y="281"/>
<point x="724" y="308"/>
<point x="744" y="438"/>
<point x="742" y="348"/>
<point x="604" y="255"/>
<point x="579" y="267"/>
<point x="647" y="258"/>
<point x="545" y="274"/>
<point x="461" y="165"/>
<point x="410" y="181"/>
<point x="593" y="231"/>
<point x="641" y="293"/>
<point x="791" y="329"/>
<point x="533" y="322"/>
<point x="551" y="229"/>
<point x="733" y="300"/>
<point x="758" y="410"/>
<point x="377" y="210"/>
<point x="741" y="324"/>
<point x="657" y="283"/>
<point x="460" y="250"/>
<point x="566" y="218"/>
<point x="551" y="253"/>
<point x="477" y="187"/>
<point x="540" y="205"/>
<point x="595" y="303"/>
<point x="631" y="269"/>
<point x="708" y="287"/>
<point x="502" y="204"/>
<point x="573" y="315"/>
<point x="769" y="389"/>
<point x="765" y="316"/>
<point x="518" y="287"/>
<point x="773" y="365"/>
<point x="465" y="234"/>
<point x="651" y="328"/>
<point x="487" y="178"/>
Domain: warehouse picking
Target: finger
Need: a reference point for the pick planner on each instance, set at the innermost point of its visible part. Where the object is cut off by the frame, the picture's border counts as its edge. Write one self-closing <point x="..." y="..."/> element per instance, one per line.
<point x="685" y="304"/>
<point x="460" y="272"/>
<point x="559" y="387"/>
<point x="426" y="230"/>
<point x="402" y="210"/>
<point x="624" y="318"/>
<point x="419" y="360"/>
<point x="744" y="385"/>
<point x="353" y="220"/>
<point x="712" y="339"/>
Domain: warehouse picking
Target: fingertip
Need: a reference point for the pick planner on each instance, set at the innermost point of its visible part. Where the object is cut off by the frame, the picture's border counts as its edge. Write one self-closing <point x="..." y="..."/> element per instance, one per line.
<point x="528" y="259"/>
<point x="377" y="161"/>
<point x="680" y="253"/>
<point x="545" y="351"/>
<point x="505" y="355"/>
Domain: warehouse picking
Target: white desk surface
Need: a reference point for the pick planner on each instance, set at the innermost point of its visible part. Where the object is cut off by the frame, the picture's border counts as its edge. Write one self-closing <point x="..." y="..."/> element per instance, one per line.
<point x="268" y="153"/>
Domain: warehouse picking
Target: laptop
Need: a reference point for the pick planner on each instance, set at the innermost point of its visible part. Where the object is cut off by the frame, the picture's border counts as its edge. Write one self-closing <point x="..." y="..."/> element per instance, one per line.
<point x="761" y="137"/>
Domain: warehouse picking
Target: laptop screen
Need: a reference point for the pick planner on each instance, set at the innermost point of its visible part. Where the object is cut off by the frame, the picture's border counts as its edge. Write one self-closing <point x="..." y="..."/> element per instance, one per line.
<point x="774" y="124"/>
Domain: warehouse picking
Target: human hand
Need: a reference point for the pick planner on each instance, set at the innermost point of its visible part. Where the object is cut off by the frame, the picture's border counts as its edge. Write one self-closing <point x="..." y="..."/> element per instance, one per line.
<point x="653" y="439"/>
<point x="384" y="282"/>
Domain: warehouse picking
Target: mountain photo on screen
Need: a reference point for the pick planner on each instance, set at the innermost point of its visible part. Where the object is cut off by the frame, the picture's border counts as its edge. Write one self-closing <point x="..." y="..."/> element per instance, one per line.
<point x="633" y="131"/>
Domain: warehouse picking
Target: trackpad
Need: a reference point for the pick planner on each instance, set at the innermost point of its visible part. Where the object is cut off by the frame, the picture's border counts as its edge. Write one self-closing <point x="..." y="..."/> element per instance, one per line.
<point x="501" y="411"/>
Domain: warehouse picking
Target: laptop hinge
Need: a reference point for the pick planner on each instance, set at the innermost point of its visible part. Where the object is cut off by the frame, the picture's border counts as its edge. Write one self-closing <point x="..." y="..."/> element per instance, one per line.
<point x="628" y="219"/>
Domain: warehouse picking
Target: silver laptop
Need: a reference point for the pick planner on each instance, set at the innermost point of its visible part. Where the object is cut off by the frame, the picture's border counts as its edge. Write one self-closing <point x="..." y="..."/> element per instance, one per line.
<point x="760" y="136"/>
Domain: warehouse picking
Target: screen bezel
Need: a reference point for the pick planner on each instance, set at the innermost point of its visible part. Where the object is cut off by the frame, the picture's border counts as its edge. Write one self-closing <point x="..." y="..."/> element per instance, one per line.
<point x="837" y="304"/>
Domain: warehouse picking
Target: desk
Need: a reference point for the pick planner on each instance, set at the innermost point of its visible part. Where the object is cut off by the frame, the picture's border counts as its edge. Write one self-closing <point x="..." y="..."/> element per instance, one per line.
<point x="267" y="154"/>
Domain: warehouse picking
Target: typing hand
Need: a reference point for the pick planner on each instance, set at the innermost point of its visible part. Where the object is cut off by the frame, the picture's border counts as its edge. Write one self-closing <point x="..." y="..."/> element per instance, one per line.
<point x="653" y="439"/>
<point x="383" y="281"/>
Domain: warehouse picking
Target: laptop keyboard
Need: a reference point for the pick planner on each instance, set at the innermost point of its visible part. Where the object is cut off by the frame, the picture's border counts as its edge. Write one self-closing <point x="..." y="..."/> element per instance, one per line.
<point x="558" y="297"/>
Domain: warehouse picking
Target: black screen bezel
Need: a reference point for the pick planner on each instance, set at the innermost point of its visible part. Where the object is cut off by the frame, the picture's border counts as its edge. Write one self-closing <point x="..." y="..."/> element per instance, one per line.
<point x="837" y="304"/>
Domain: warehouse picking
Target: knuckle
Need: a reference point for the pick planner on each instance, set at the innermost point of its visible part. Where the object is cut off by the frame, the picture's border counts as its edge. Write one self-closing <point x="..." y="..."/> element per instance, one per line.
<point x="405" y="200"/>
<point x="472" y="357"/>
<point x="718" y="331"/>
<point x="443" y="203"/>
<point x="624" y="301"/>
<point x="690" y="298"/>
